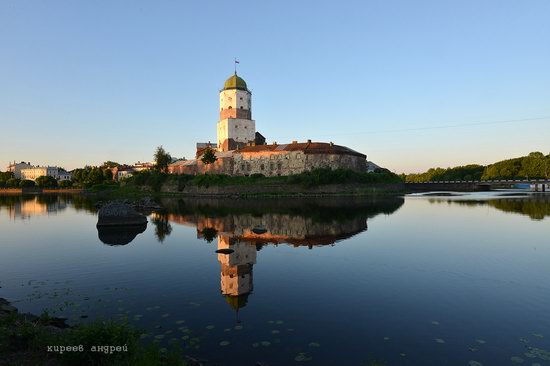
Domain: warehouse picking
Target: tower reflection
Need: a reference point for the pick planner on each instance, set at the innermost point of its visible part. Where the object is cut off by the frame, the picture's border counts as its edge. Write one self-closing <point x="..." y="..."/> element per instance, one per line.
<point x="242" y="228"/>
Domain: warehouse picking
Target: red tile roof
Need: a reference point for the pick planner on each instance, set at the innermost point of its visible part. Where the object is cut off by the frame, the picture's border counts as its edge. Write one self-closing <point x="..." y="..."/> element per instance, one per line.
<point x="306" y="147"/>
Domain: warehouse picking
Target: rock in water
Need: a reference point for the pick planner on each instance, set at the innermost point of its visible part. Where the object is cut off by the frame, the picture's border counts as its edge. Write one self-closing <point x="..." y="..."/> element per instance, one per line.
<point x="119" y="214"/>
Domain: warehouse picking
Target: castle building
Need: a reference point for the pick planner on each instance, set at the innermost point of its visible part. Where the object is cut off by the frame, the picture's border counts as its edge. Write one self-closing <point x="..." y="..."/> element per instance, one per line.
<point x="236" y="128"/>
<point x="241" y="150"/>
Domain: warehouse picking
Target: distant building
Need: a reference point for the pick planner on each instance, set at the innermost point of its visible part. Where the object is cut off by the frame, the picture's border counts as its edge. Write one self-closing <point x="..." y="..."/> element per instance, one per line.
<point x="124" y="173"/>
<point x="38" y="171"/>
<point x="15" y="168"/>
<point x="139" y="166"/>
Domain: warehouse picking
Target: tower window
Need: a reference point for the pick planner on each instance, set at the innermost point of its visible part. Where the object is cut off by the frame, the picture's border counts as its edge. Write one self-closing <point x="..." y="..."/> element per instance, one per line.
<point x="261" y="167"/>
<point x="241" y="107"/>
<point x="230" y="107"/>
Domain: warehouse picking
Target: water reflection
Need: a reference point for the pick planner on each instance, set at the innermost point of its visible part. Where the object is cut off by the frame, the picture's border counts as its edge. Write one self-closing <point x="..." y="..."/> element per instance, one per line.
<point x="23" y="207"/>
<point x="536" y="206"/>
<point x="119" y="235"/>
<point x="243" y="227"/>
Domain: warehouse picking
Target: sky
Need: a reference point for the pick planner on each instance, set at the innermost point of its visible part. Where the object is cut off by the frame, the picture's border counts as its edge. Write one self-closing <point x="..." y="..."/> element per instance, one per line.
<point x="412" y="84"/>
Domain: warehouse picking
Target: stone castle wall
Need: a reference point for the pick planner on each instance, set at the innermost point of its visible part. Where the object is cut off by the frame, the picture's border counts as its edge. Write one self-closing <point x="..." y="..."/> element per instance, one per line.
<point x="272" y="163"/>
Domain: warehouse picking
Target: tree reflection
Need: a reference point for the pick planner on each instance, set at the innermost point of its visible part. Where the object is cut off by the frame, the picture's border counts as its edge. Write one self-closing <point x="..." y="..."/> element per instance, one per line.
<point x="162" y="225"/>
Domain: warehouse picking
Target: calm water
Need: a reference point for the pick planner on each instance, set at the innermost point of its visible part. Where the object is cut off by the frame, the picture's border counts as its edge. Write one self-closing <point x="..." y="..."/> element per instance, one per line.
<point x="415" y="280"/>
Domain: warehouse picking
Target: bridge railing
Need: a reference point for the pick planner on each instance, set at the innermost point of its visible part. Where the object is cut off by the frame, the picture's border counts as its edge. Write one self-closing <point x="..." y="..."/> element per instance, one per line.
<point x="534" y="181"/>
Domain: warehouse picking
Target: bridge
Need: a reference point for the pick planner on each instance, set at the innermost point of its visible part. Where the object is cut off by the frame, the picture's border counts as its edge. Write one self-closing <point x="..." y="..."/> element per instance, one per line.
<point x="537" y="185"/>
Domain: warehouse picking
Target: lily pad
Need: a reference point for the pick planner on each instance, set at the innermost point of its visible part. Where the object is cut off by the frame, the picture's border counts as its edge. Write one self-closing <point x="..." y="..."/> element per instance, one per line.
<point x="210" y="327"/>
<point x="255" y="345"/>
<point x="165" y="315"/>
<point x="439" y="340"/>
<point x="516" y="359"/>
<point x="314" y="344"/>
<point x="225" y="343"/>
<point x="480" y="341"/>
<point x="275" y="331"/>
<point x="185" y="337"/>
<point x="435" y="322"/>
<point x="301" y="357"/>
<point x="265" y="343"/>
<point x="475" y="363"/>
<point x="386" y="338"/>
<point x="279" y="322"/>
<point x="180" y="321"/>
<point x="538" y="335"/>
<point x="238" y="327"/>
<point x="159" y="336"/>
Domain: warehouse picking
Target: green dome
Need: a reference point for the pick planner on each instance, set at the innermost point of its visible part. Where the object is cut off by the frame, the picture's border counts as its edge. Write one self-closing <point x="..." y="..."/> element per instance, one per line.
<point x="235" y="82"/>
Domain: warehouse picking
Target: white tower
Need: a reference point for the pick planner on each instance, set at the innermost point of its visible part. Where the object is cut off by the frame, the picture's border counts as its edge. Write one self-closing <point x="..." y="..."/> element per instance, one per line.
<point x="236" y="128"/>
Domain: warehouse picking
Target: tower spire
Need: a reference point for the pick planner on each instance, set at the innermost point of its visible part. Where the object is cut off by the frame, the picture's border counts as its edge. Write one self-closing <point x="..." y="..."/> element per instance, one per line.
<point x="236" y="62"/>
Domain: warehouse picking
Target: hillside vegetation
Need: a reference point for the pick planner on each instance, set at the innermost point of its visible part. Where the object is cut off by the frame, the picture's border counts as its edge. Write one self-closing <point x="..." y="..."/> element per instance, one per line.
<point x="534" y="165"/>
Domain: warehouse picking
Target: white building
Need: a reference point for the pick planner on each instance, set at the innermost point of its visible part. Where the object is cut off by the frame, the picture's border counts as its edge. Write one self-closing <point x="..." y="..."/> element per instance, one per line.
<point x="236" y="128"/>
<point x="15" y="168"/>
<point x="124" y="174"/>
<point x="38" y="171"/>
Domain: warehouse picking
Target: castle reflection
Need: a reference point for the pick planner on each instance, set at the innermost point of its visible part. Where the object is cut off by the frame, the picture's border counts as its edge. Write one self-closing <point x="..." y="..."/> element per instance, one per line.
<point x="242" y="228"/>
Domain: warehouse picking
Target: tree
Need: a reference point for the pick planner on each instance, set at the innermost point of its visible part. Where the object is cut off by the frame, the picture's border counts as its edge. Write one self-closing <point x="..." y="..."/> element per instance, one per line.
<point x="46" y="181"/>
<point x="209" y="156"/>
<point x="4" y="176"/>
<point x="107" y="175"/>
<point x="110" y="164"/>
<point x="27" y="183"/>
<point x="65" y="184"/>
<point x="162" y="159"/>
<point x="13" y="183"/>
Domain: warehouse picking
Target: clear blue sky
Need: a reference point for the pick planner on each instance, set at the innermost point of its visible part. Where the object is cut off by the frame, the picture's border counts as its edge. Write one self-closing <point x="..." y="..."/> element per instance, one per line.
<point x="82" y="82"/>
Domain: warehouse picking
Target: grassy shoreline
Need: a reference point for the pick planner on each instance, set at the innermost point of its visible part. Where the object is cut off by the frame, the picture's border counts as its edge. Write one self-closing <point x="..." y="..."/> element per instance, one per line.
<point x="27" y="339"/>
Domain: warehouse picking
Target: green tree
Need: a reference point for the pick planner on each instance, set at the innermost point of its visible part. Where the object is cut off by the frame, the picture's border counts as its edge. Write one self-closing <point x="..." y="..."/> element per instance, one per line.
<point x="27" y="183"/>
<point x="65" y="184"/>
<point x="209" y="156"/>
<point x="13" y="183"/>
<point x="46" y="182"/>
<point x="4" y="176"/>
<point x="162" y="159"/>
<point x="107" y="175"/>
<point x="110" y="164"/>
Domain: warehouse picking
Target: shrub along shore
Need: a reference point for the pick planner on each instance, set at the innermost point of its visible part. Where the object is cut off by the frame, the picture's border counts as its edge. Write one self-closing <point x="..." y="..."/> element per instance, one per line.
<point x="316" y="182"/>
